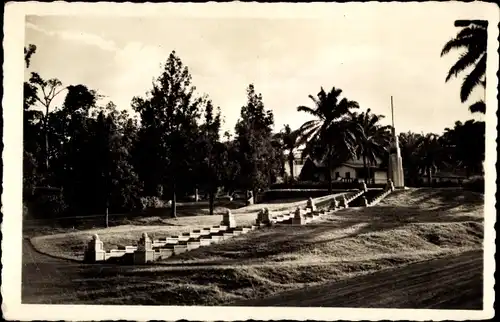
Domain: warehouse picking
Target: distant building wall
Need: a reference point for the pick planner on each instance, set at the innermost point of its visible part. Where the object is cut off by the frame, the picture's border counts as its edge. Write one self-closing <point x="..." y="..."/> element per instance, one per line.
<point x="380" y="177"/>
<point x="297" y="167"/>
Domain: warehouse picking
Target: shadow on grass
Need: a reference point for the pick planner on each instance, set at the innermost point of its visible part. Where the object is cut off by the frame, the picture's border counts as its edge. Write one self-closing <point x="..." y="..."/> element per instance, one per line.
<point x="291" y="241"/>
<point x="442" y="198"/>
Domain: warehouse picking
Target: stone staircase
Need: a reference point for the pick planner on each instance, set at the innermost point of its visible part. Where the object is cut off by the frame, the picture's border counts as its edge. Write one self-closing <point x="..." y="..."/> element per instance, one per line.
<point x="148" y="250"/>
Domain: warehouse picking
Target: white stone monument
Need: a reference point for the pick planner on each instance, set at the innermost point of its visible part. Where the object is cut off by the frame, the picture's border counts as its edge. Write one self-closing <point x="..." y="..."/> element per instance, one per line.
<point x="228" y="219"/>
<point x="395" y="161"/>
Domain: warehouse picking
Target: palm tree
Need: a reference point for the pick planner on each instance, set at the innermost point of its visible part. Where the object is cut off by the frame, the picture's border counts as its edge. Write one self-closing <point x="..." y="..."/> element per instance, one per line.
<point x="331" y="136"/>
<point x="373" y="139"/>
<point x="288" y="139"/>
<point x="430" y="155"/>
<point x="465" y="145"/>
<point x="473" y="38"/>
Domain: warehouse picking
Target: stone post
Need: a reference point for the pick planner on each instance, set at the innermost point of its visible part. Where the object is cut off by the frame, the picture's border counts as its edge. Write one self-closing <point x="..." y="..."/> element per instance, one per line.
<point x="144" y="252"/>
<point x="95" y="250"/>
<point x="343" y="202"/>
<point x="334" y="204"/>
<point x="310" y="204"/>
<point x="364" y="201"/>
<point x="250" y="199"/>
<point x="263" y="217"/>
<point x="390" y="185"/>
<point x="228" y="219"/>
<point x="298" y="218"/>
<point x="364" y="187"/>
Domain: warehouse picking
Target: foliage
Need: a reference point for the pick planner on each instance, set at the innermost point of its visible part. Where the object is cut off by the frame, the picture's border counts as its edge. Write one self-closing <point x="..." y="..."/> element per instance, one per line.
<point x="255" y="153"/>
<point x="287" y="140"/>
<point x="152" y="202"/>
<point x="372" y="139"/>
<point x="169" y="116"/>
<point x="104" y="159"/>
<point x="473" y="37"/>
<point x="331" y="136"/>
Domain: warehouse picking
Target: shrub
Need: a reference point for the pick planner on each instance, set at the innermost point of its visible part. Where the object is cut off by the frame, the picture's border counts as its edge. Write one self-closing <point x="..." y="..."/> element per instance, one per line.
<point x="475" y="184"/>
<point x="293" y="193"/>
<point x="48" y="206"/>
<point x="152" y="202"/>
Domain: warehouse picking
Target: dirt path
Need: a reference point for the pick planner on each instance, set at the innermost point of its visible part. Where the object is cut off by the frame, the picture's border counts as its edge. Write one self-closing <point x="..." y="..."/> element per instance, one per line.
<point x="454" y="282"/>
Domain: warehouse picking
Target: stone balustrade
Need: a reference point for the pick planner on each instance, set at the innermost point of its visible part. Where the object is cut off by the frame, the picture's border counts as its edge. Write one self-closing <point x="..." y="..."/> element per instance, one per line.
<point x="149" y="250"/>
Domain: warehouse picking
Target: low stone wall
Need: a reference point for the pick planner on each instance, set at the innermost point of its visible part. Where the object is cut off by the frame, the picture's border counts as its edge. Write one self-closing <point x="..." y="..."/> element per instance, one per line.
<point x="148" y="250"/>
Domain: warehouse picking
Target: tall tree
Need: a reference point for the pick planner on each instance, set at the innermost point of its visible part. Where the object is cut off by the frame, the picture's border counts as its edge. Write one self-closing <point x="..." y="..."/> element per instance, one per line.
<point x="289" y="140"/>
<point x="372" y="139"/>
<point x="49" y="90"/>
<point x="472" y="37"/>
<point x="211" y="153"/>
<point x="409" y="143"/>
<point x="254" y="143"/>
<point x="31" y="131"/>
<point x="465" y="144"/>
<point x="430" y="155"/>
<point x="28" y="52"/>
<point x="331" y="136"/>
<point x="169" y="116"/>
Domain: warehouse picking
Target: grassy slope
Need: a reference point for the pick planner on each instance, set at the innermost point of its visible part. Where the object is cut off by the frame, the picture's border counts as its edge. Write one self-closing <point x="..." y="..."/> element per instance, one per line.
<point x="408" y="226"/>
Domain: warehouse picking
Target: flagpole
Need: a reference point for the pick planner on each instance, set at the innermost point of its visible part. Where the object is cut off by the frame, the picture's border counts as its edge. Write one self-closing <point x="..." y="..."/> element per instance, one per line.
<point x="392" y="112"/>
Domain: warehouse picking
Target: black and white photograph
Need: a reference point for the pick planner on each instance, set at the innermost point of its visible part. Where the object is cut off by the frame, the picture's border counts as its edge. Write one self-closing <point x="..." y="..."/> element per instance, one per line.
<point x="234" y="161"/>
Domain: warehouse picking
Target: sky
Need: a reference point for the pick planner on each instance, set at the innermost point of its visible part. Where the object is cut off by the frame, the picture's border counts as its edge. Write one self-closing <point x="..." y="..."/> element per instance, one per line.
<point x="369" y="55"/>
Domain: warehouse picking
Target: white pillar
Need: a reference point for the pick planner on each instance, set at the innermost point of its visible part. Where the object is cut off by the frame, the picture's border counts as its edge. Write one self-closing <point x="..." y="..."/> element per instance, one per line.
<point x="228" y="219"/>
<point x="144" y="252"/>
<point x="95" y="250"/>
<point x="396" y="173"/>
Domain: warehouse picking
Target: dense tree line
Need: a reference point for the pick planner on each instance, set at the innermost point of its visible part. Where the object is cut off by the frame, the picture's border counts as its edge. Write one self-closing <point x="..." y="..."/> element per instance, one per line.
<point x="98" y="157"/>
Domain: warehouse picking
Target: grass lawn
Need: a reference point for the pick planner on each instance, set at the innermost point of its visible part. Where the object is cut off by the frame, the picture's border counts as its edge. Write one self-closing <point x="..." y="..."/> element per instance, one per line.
<point x="406" y="227"/>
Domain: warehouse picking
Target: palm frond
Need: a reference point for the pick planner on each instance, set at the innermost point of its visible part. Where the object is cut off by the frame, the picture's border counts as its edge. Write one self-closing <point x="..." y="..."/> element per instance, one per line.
<point x="466" y="60"/>
<point x="473" y="79"/>
<point x="467" y="38"/>
<point x="307" y="110"/>
<point x="307" y="126"/>
<point x="478" y="107"/>
<point x="456" y="43"/>
<point x="315" y="100"/>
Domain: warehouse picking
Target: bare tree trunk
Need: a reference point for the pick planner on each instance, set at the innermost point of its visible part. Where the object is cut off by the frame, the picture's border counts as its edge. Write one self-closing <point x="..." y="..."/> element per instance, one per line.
<point x="46" y="139"/>
<point x="330" y="177"/>
<point x="107" y="214"/>
<point x="211" y="201"/>
<point x="174" y="203"/>
<point x="365" y="168"/>
<point x="290" y="164"/>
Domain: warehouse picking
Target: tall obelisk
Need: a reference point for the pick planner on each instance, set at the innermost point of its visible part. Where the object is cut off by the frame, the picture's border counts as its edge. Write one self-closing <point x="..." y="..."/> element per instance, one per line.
<point x="395" y="161"/>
